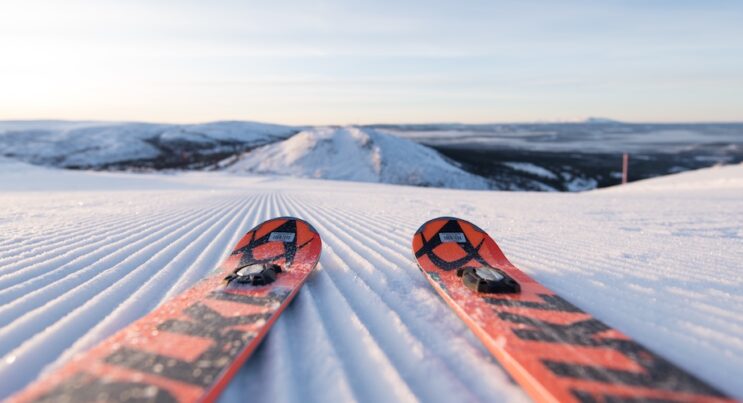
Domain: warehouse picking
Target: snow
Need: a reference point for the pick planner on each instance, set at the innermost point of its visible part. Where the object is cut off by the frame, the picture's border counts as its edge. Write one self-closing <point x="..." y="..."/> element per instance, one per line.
<point x="717" y="177"/>
<point x="70" y="144"/>
<point x="579" y="184"/>
<point x="355" y="154"/>
<point x="397" y="154"/>
<point x="588" y="136"/>
<point x="532" y="169"/>
<point x="231" y="131"/>
<point x="83" y="254"/>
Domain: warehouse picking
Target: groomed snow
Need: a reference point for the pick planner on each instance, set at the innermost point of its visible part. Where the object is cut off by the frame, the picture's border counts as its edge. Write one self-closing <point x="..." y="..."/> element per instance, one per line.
<point x="84" y="254"/>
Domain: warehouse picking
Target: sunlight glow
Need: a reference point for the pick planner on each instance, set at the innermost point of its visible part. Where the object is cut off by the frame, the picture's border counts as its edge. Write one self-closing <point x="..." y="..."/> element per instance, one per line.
<point x="363" y="61"/>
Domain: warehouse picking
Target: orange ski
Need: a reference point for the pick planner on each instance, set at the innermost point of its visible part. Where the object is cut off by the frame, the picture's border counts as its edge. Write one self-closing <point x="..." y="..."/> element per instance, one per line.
<point x="190" y="347"/>
<point x="554" y="350"/>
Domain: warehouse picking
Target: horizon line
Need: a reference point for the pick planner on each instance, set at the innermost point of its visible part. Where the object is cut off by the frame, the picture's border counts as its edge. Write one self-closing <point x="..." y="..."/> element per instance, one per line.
<point x="588" y="121"/>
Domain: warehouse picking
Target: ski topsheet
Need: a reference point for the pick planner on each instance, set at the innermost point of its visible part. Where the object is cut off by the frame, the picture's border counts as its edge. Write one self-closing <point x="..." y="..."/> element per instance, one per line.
<point x="190" y="347"/>
<point x="554" y="350"/>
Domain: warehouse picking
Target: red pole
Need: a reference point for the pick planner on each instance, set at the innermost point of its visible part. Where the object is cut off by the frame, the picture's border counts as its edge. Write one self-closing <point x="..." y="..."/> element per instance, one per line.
<point x="625" y="167"/>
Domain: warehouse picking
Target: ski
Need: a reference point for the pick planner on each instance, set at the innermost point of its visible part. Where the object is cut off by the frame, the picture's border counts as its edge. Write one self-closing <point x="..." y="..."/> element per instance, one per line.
<point x="553" y="349"/>
<point x="191" y="346"/>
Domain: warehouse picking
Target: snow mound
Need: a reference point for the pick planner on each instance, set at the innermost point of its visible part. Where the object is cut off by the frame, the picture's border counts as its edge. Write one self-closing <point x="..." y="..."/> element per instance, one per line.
<point x="355" y="154"/>
<point x="99" y="144"/>
<point x="728" y="177"/>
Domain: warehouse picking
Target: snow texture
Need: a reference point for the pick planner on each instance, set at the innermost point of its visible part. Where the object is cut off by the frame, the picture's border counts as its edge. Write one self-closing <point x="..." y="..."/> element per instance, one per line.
<point x="355" y="154"/>
<point x="84" y="254"/>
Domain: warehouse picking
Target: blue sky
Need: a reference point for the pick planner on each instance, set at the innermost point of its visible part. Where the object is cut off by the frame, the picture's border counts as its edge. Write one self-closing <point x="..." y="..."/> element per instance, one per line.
<point x="332" y="61"/>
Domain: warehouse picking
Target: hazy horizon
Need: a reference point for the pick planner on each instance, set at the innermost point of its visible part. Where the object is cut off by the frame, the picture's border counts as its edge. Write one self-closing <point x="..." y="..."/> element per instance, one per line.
<point x="372" y="62"/>
<point x="546" y="122"/>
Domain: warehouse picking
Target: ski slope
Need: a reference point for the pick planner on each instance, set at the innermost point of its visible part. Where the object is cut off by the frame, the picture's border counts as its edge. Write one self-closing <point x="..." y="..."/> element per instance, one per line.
<point x="83" y="254"/>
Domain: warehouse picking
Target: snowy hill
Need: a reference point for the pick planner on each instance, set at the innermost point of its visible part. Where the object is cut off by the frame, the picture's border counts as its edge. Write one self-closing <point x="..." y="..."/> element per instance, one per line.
<point x="571" y="157"/>
<point x="714" y="178"/>
<point x="659" y="260"/>
<point x="131" y="145"/>
<point x="354" y="154"/>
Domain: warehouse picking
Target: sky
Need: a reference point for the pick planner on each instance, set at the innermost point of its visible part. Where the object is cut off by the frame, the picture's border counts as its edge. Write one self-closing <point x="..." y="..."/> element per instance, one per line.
<point x="371" y="61"/>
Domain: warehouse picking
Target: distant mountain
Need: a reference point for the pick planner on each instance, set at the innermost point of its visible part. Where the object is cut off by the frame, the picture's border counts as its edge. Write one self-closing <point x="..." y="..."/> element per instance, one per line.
<point x="598" y="120"/>
<point x="577" y="156"/>
<point x="534" y="156"/>
<point x="356" y="154"/>
<point x="104" y="145"/>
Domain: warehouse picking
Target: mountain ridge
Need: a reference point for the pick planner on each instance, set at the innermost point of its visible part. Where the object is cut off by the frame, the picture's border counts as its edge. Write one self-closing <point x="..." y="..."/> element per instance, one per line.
<point x="356" y="154"/>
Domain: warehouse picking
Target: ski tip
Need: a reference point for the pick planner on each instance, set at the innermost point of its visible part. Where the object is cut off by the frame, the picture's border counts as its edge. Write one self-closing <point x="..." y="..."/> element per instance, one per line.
<point x="446" y="218"/>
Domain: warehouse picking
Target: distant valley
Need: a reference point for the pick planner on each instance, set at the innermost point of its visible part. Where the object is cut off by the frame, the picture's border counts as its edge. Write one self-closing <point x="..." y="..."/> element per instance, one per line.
<point x="534" y="157"/>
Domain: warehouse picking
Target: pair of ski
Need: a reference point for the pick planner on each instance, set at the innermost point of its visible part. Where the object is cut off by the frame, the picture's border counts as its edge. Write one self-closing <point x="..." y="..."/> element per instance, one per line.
<point x="189" y="348"/>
